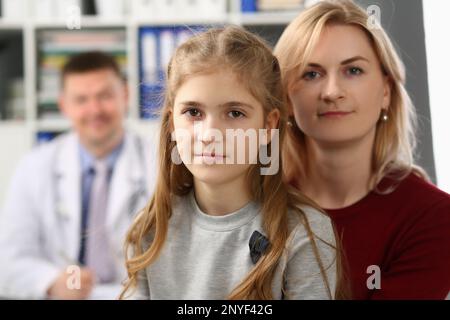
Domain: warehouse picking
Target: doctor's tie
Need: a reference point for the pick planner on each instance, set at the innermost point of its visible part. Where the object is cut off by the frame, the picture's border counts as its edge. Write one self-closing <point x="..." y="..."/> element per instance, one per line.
<point x="100" y="256"/>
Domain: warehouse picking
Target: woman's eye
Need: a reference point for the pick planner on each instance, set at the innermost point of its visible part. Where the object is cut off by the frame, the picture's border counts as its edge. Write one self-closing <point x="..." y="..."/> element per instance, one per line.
<point x="236" y="114"/>
<point x="354" y="71"/>
<point x="310" y="75"/>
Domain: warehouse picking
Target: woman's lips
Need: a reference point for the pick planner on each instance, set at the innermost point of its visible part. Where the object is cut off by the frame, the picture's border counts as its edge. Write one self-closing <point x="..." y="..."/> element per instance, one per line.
<point x="334" y="114"/>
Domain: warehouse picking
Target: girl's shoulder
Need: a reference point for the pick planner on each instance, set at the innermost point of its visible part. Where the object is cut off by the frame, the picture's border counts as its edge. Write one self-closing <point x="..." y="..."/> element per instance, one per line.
<point x="305" y="219"/>
<point x="310" y="255"/>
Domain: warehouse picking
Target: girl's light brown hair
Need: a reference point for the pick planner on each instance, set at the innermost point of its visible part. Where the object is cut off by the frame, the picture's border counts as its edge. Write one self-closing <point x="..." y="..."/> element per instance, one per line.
<point x="251" y="60"/>
<point x="395" y="139"/>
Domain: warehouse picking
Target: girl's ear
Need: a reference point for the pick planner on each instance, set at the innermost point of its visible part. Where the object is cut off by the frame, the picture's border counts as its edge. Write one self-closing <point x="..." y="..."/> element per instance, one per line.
<point x="170" y="120"/>
<point x="272" y="122"/>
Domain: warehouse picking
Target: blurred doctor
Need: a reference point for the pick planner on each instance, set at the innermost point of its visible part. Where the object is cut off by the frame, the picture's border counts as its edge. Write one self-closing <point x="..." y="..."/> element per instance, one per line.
<point x="71" y="201"/>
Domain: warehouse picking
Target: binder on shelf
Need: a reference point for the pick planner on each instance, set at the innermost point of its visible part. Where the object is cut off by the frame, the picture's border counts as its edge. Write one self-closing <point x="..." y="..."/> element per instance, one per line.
<point x="249" y="5"/>
<point x="46" y="136"/>
<point x="149" y="55"/>
<point x="156" y="46"/>
<point x="168" y="42"/>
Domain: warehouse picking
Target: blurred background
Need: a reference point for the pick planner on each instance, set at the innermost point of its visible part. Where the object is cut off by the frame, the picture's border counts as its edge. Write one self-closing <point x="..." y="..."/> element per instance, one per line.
<point x="38" y="36"/>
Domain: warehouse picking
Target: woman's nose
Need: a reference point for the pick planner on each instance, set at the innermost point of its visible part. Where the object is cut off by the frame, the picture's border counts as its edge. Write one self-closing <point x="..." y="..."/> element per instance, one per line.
<point x="332" y="89"/>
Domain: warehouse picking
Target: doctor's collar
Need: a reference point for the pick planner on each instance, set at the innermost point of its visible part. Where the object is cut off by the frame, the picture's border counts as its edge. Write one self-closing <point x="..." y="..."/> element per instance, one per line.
<point x="88" y="160"/>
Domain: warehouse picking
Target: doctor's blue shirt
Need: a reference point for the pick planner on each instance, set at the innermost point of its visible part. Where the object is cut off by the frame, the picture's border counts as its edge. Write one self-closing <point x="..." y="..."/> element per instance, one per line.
<point x="87" y="176"/>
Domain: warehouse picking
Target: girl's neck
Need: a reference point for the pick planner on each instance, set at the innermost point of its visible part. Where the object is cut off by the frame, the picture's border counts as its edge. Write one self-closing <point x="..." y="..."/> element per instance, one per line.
<point x="338" y="176"/>
<point x="219" y="200"/>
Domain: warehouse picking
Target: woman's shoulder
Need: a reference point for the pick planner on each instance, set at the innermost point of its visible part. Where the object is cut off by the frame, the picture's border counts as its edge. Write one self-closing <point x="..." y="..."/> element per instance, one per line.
<point x="420" y="184"/>
<point x="422" y="194"/>
<point x="426" y="203"/>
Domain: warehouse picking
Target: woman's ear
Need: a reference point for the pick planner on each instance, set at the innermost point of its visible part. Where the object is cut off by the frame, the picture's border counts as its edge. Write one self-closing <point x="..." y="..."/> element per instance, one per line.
<point x="290" y="108"/>
<point x="272" y="122"/>
<point x="387" y="92"/>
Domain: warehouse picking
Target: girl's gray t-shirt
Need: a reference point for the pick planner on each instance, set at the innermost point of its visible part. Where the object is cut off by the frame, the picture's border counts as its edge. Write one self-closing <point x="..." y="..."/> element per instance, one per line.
<point x="205" y="257"/>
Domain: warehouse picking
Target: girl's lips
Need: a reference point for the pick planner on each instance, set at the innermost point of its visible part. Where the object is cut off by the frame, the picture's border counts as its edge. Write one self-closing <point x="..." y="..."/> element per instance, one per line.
<point x="210" y="157"/>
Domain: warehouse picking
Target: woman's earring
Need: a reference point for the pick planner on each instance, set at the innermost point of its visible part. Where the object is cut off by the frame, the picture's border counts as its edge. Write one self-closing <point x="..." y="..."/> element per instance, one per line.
<point x="384" y="115"/>
<point x="291" y="121"/>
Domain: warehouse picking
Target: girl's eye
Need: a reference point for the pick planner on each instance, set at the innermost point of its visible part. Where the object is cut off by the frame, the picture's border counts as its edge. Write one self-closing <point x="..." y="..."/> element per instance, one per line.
<point x="310" y="75"/>
<point x="236" y="114"/>
<point x="354" y="71"/>
<point x="193" y="112"/>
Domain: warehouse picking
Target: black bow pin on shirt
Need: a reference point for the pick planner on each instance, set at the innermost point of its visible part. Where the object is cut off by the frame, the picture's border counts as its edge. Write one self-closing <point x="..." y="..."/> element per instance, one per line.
<point x="258" y="245"/>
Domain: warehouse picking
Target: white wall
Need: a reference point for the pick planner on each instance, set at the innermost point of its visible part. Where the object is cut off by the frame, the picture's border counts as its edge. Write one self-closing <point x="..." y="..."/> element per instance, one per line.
<point x="437" y="33"/>
<point x="15" y="141"/>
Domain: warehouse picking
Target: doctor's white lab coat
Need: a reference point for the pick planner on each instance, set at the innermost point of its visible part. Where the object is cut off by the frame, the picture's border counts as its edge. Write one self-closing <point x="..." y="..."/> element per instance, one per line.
<point x="41" y="220"/>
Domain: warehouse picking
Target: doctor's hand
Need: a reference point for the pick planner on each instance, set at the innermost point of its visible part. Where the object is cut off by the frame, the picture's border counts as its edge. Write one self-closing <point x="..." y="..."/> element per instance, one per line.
<point x="72" y="286"/>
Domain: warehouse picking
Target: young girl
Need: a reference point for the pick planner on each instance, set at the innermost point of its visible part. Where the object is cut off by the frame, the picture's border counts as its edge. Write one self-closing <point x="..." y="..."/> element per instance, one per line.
<point x="216" y="229"/>
<point x="350" y="149"/>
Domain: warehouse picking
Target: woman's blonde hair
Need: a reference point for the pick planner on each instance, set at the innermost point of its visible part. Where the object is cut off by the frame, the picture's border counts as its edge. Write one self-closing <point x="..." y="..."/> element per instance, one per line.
<point x="250" y="59"/>
<point x="395" y="138"/>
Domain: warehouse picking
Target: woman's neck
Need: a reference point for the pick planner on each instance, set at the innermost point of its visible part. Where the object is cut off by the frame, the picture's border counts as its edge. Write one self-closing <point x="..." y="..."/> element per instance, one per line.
<point x="221" y="199"/>
<point x="338" y="176"/>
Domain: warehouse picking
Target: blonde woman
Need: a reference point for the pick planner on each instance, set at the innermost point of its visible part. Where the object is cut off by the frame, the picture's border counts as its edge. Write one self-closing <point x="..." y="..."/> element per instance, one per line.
<point x="350" y="149"/>
<point x="216" y="229"/>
